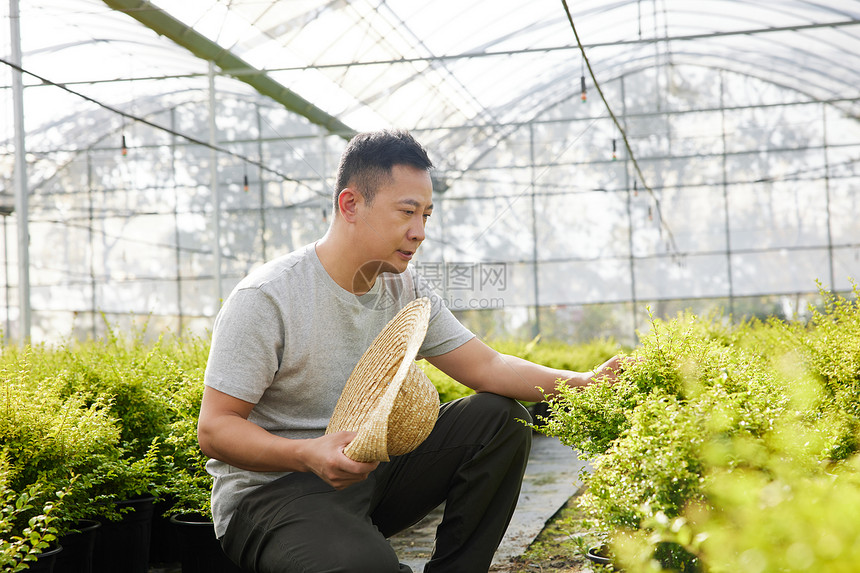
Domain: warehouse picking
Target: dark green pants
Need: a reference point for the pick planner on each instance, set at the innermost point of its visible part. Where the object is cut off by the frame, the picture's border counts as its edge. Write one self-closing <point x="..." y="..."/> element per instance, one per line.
<point x="473" y="460"/>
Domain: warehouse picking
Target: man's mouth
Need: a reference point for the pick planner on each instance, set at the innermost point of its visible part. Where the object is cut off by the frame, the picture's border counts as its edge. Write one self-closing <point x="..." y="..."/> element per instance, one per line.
<point x="406" y="254"/>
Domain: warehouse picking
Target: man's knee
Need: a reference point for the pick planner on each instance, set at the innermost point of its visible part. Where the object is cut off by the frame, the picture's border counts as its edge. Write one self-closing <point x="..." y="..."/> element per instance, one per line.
<point x="353" y="553"/>
<point x="507" y="409"/>
<point x="295" y="525"/>
<point x="493" y="416"/>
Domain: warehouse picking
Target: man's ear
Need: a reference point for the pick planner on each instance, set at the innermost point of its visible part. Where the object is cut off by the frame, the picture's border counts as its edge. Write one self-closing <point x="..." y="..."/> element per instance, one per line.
<point x="347" y="203"/>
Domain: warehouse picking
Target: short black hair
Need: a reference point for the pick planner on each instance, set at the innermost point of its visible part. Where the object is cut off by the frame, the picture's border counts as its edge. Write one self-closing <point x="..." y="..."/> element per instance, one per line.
<point x="367" y="161"/>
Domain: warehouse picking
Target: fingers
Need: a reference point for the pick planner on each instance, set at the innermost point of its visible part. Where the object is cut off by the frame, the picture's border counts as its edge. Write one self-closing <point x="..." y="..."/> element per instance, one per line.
<point x="610" y="370"/>
<point x="334" y="467"/>
<point x="350" y="472"/>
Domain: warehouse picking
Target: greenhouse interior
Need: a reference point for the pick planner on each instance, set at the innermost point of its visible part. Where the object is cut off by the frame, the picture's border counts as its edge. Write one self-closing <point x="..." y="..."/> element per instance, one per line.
<point x="596" y="162"/>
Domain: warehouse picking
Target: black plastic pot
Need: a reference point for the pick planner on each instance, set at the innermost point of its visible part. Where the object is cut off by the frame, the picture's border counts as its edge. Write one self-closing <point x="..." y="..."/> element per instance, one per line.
<point x="599" y="555"/>
<point x="123" y="546"/>
<point x="670" y="555"/>
<point x="163" y="545"/>
<point x="77" y="554"/>
<point x="200" y="550"/>
<point x="47" y="559"/>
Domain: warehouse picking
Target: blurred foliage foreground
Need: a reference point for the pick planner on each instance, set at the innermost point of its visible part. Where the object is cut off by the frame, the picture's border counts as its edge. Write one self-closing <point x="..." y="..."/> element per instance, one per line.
<point x="726" y="449"/>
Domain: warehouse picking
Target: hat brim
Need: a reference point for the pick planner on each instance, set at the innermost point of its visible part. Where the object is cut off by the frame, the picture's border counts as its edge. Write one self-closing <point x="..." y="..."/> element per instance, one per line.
<point x="388" y="400"/>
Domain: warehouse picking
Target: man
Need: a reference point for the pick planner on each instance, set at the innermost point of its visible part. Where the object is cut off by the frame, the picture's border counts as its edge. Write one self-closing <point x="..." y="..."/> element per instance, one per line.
<point x="285" y="497"/>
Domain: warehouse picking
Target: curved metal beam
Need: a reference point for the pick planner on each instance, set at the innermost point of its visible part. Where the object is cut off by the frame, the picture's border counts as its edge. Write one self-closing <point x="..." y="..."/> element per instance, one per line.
<point x="166" y="25"/>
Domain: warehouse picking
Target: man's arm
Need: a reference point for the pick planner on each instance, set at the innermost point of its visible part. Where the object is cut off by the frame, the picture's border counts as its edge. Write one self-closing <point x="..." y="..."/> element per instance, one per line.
<point x="483" y="369"/>
<point x="225" y="433"/>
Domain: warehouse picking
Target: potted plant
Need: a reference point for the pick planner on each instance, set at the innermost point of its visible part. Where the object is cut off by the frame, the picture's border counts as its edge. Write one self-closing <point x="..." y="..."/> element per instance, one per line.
<point x="189" y="488"/>
<point x="27" y="532"/>
<point x="56" y="443"/>
<point x="67" y="442"/>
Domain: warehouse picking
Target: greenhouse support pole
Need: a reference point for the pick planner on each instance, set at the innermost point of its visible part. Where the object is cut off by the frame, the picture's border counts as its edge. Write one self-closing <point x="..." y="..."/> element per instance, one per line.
<point x="536" y="330"/>
<point x="6" y="271"/>
<point x="725" y="185"/>
<point x="91" y="252"/>
<point x="21" y="190"/>
<point x="827" y="205"/>
<point x="630" y="240"/>
<point x="216" y="194"/>
<point x="177" y="233"/>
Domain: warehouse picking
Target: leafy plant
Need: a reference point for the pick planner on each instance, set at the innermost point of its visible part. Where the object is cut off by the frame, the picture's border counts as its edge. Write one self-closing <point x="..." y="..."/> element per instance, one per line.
<point x="88" y="418"/>
<point x="183" y="465"/>
<point x="63" y="443"/>
<point x="716" y="440"/>
<point x="129" y="377"/>
<point x="25" y="532"/>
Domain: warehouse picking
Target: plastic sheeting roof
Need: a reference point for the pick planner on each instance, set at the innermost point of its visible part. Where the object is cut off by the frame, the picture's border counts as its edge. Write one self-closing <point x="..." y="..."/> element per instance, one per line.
<point x="446" y="62"/>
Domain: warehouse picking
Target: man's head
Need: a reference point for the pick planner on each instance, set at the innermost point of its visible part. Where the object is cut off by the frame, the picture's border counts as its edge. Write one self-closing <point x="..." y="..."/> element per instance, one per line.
<point x="369" y="157"/>
<point x="383" y="202"/>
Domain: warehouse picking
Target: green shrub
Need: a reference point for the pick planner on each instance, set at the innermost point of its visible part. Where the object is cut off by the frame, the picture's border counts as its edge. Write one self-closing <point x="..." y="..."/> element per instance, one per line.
<point x="25" y="531"/>
<point x="829" y="345"/>
<point x="63" y="443"/>
<point x="115" y="418"/>
<point x="719" y="443"/>
<point x="653" y="466"/>
<point x="183" y="466"/>
<point x="773" y="509"/>
<point x="128" y="375"/>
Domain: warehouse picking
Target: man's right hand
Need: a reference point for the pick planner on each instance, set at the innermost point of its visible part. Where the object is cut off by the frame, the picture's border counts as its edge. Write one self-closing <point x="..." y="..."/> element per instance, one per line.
<point x="226" y="434"/>
<point x="324" y="456"/>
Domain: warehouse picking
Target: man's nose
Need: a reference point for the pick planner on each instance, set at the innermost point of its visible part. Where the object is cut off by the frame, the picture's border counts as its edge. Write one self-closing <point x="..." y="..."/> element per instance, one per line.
<point x="416" y="231"/>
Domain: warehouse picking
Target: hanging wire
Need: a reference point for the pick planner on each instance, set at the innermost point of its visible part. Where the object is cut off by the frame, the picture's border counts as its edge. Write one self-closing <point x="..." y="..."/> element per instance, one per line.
<point x="671" y="242"/>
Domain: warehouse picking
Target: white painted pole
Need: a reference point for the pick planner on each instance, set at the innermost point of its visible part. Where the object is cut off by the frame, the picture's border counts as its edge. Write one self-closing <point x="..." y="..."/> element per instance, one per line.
<point x="21" y="189"/>
<point x="216" y="194"/>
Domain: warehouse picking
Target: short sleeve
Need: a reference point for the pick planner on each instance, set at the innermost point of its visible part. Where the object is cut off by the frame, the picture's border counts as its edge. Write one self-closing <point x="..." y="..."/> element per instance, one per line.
<point x="444" y="332"/>
<point x="247" y="345"/>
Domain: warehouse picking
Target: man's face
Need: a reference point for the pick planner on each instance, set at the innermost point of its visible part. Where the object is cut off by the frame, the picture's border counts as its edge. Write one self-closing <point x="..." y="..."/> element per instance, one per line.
<point x="392" y="227"/>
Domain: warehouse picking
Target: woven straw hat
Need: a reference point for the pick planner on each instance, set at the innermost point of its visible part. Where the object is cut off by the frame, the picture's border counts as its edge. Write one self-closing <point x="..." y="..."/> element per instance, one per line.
<point x="388" y="400"/>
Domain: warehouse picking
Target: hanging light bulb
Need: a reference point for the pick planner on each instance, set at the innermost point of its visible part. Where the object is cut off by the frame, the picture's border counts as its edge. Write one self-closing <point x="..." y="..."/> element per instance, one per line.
<point x="614" y="156"/>
<point x="582" y="85"/>
<point x="245" y="182"/>
<point x="124" y="148"/>
<point x="635" y="189"/>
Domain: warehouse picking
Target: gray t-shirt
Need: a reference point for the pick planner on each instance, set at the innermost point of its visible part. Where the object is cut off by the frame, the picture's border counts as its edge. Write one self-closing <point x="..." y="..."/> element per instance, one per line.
<point x="287" y="339"/>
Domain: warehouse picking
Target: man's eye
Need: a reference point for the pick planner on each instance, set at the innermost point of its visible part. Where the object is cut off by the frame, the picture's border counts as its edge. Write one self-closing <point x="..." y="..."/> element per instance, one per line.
<point x="410" y="213"/>
<point x="426" y="216"/>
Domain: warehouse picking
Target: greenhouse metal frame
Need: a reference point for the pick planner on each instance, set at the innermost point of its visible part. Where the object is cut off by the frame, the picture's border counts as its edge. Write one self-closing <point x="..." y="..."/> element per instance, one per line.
<point x="597" y="163"/>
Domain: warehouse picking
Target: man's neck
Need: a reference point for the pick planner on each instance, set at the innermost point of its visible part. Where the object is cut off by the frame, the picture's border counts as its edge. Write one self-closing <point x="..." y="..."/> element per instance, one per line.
<point x="350" y="274"/>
